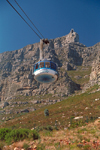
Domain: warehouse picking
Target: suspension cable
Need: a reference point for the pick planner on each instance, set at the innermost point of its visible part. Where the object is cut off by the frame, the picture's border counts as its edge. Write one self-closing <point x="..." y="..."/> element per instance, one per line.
<point x="28" y="18"/>
<point x="23" y="19"/>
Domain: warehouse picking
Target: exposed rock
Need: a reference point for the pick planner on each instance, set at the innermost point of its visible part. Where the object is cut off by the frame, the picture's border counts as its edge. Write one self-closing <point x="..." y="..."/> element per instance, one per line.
<point x="79" y="117"/>
<point x="32" y="109"/>
<point x="14" y="103"/>
<point x="95" y="72"/>
<point x="72" y="37"/>
<point x="86" y="76"/>
<point x="36" y="102"/>
<point x="16" y="67"/>
<point x="78" y="77"/>
<point x="25" y="111"/>
<point x="2" y="112"/>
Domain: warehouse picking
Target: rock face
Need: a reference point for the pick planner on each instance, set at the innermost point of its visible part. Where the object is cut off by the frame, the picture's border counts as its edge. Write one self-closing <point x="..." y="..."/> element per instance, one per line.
<point x="72" y="37"/>
<point x="95" y="73"/>
<point x="16" y="67"/>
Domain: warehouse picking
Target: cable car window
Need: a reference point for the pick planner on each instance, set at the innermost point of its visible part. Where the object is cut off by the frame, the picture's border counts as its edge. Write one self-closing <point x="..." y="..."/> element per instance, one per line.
<point x="47" y="64"/>
<point x="53" y="66"/>
<point x="33" y="69"/>
<point x="41" y="64"/>
<point x="36" y="66"/>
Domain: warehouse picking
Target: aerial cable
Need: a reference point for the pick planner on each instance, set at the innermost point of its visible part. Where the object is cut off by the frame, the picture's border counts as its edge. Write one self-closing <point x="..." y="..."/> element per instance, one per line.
<point x="28" y="18"/>
<point x="23" y="19"/>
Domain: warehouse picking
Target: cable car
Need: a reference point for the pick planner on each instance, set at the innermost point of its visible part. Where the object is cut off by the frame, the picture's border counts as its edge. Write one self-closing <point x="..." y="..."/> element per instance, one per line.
<point x="45" y="71"/>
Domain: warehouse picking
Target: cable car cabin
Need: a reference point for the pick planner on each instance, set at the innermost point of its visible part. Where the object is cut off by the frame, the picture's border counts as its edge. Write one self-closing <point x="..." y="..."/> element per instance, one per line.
<point x="45" y="71"/>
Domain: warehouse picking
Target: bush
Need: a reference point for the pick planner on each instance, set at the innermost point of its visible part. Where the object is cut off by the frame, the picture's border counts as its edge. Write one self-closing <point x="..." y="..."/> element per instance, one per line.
<point x="40" y="147"/>
<point x="1" y="146"/>
<point x="49" y="128"/>
<point x="25" y="146"/>
<point x="6" y="104"/>
<point x="46" y="112"/>
<point x="86" y="147"/>
<point x="56" y="128"/>
<point x="39" y="128"/>
<point x="33" y="134"/>
<point x="3" y="133"/>
<point x="16" y="135"/>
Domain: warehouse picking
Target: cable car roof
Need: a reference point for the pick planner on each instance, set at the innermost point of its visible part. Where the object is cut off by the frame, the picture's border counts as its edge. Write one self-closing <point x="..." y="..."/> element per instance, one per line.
<point x="44" y="60"/>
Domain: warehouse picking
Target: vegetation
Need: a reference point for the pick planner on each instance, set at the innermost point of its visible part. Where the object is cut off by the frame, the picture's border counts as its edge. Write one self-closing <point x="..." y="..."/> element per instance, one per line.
<point x="4" y="132"/>
<point x="14" y="135"/>
<point x="79" y="76"/>
<point x="25" y="146"/>
<point x="2" y="144"/>
<point x="56" y="126"/>
<point x="46" y="112"/>
<point x="61" y="113"/>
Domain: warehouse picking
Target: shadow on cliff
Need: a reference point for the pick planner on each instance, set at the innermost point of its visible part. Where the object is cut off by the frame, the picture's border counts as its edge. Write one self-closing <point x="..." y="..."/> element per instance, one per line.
<point x="76" y="58"/>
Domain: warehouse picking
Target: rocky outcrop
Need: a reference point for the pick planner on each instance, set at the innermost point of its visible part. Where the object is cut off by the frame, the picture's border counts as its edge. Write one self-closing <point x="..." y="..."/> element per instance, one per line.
<point x="95" y="72"/>
<point x="72" y="37"/>
<point x="16" y="67"/>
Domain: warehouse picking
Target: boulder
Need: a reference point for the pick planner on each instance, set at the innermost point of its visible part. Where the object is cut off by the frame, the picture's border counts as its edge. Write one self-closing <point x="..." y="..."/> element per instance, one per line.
<point x="25" y="111"/>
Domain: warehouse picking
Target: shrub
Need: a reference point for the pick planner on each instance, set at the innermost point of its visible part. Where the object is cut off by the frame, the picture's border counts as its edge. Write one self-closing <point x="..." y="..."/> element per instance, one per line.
<point x="57" y="146"/>
<point x="46" y="112"/>
<point x="49" y="128"/>
<point x="56" y="128"/>
<point x="25" y="146"/>
<point x="33" y="134"/>
<point x="47" y="133"/>
<point x="6" y="104"/>
<point x="1" y="146"/>
<point x="40" y="147"/>
<point x="9" y="139"/>
<point x="86" y="147"/>
<point x="3" y="133"/>
<point x="16" y="135"/>
<point x="38" y="128"/>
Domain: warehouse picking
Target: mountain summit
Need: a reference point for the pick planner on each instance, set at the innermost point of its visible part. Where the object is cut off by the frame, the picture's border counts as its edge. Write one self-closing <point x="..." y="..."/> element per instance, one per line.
<point x="16" y="67"/>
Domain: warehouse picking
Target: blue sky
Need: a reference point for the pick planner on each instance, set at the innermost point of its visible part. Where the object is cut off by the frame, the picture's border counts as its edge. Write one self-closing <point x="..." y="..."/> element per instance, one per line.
<point x="53" y="18"/>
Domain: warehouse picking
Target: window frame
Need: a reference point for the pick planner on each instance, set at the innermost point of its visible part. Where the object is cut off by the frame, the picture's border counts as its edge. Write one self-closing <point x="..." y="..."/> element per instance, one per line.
<point x="48" y="64"/>
<point x="54" y="66"/>
<point x="41" y="64"/>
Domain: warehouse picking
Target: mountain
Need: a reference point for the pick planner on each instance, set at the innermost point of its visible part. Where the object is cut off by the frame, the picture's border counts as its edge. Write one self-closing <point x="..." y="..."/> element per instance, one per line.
<point x="16" y="67"/>
<point x="72" y="102"/>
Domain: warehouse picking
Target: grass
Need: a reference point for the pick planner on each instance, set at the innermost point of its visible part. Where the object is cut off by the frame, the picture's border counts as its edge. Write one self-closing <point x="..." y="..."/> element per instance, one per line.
<point x="79" y="72"/>
<point x="80" y="137"/>
<point x="64" y="112"/>
<point x="93" y="88"/>
<point x="61" y="115"/>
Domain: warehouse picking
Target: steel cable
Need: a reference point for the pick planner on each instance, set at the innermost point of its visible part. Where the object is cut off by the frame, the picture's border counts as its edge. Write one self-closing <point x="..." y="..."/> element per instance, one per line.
<point x="23" y="19"/>
<point x="28" y="18"/>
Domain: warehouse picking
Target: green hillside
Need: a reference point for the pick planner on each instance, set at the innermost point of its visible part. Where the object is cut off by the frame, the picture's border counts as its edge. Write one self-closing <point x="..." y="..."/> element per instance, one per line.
<point x="63" y="116"/>
<point x="63" y="112"/>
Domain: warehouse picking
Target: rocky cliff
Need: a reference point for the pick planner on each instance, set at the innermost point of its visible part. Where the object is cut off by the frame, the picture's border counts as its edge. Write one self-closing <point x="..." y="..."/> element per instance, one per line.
<point x="16" y="67"/>
<point x="95" y="72"/>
